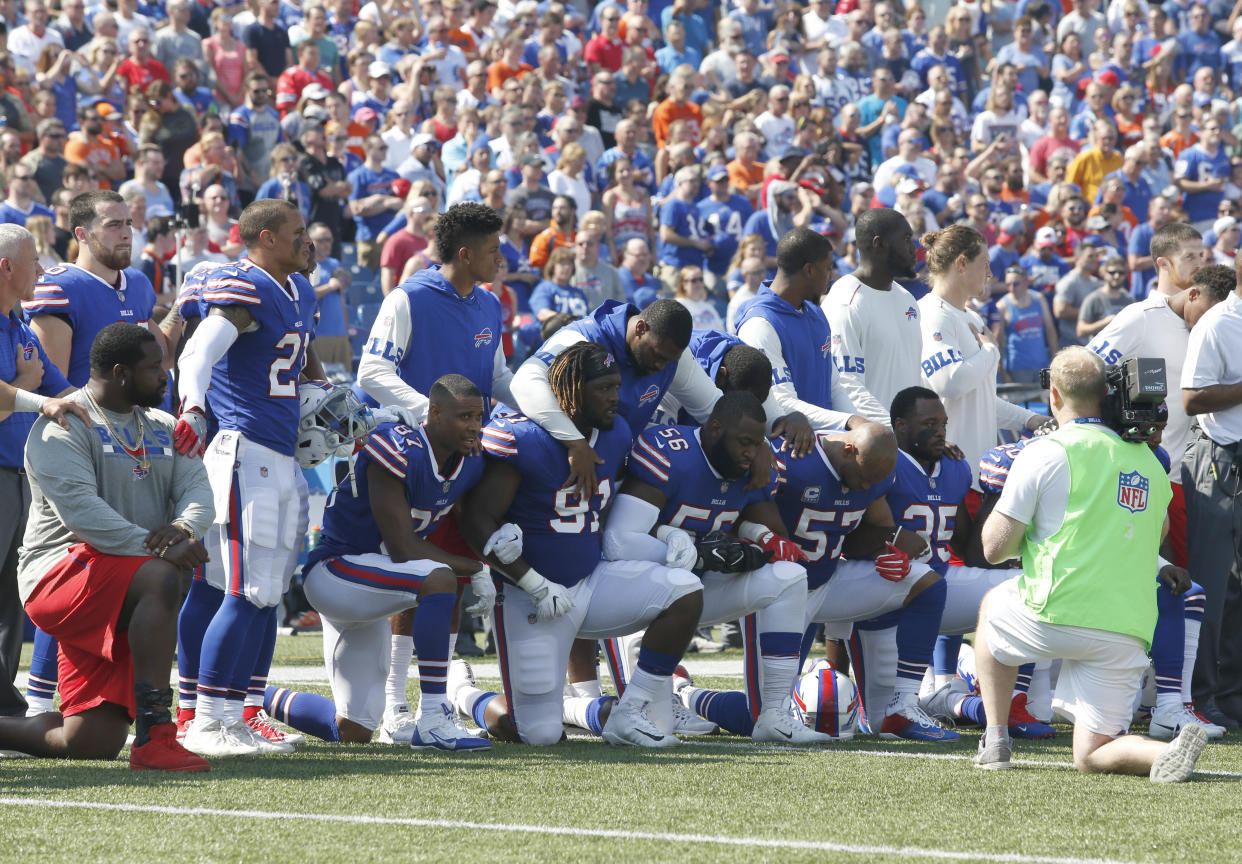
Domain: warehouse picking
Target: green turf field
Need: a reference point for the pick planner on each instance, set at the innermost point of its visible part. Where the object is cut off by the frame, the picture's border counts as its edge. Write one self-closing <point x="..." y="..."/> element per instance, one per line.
<point x="718" y="799"/>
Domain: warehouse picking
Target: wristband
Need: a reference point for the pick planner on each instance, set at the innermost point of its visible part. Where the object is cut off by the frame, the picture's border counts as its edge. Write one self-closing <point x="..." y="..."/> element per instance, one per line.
<point x="663" y="532"/>
<point x="24" y="400"/>
<point x="752" y="531"/>
<point x="531" y="581"/>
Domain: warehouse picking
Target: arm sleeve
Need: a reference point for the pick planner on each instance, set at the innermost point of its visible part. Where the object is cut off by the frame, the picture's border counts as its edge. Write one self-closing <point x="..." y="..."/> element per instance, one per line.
<point x="210" y="342"/>
<point x="954" y="380"/>
<point x="387" y="344"/>
<point x="191" y="493"/>
<point x="1011" y="416"/>
<point x="845" y="325"/>
<point x="627" y="535"/>
<point x="533" y="395"/>
<point x="759" y="333"/>
<point x="502" y="378"/>
<point x="65" y="473"/>
<point x="693" y="389"/>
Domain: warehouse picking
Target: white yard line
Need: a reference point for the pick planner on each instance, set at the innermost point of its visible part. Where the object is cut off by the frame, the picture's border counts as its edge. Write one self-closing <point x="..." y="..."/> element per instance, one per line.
<point x="556" y="830"/>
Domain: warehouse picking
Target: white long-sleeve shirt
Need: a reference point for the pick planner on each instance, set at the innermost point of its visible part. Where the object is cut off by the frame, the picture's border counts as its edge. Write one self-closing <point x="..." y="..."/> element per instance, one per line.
<point x="759" y="333"/>
<point x="963" y="373"/>
<point x="378" y="375"/>
<point x="876" y="344"/>
<point x="690" y="386"/>
<point x="1150" y="328"/>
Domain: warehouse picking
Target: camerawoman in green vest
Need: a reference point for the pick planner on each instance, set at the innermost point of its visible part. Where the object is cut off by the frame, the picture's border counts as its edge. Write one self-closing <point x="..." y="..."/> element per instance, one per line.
<point x="1085" y="511"/>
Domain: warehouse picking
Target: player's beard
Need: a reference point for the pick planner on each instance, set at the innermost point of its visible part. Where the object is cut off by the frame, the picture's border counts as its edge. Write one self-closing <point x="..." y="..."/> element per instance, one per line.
<point x="723" y="462"/>
<point x="113" y="259"/>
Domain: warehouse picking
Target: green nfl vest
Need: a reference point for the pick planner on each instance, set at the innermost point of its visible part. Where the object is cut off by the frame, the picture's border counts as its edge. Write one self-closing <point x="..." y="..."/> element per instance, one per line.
<point x="1098" y="569"/>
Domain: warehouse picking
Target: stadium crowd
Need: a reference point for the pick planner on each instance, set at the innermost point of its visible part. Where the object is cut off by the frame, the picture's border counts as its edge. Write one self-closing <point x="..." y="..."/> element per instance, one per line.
<point x="982" y="184"/>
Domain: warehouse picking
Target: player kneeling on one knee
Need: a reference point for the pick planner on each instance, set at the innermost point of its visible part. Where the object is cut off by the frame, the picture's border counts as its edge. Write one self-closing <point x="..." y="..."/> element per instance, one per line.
<point x="558" y="584"/>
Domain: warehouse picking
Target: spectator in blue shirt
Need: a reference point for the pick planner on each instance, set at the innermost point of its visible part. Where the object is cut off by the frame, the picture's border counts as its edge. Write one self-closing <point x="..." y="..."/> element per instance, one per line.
<point x="555" y="295"/>
<point x="675" y="51"/>
<point x="372" y="202"/>
<point x="1200" y="46"/>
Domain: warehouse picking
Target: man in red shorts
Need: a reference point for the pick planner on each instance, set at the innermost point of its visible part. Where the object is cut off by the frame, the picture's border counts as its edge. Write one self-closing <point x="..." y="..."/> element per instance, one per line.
<point x="114" y="524"/>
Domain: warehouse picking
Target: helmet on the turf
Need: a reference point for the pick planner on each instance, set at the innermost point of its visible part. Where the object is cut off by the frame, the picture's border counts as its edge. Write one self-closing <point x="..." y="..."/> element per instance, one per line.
<point x="827" y="701"/>
<point x="330" y="420"/>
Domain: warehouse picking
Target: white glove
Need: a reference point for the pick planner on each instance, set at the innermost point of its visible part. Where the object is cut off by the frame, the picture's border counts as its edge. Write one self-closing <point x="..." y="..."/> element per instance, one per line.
<point x="505" y="543"/>
<point x="681" y="549"/>
<point x="396" y="414"/>
<point x="551" y="600"/>
<point x="484" y="593"/>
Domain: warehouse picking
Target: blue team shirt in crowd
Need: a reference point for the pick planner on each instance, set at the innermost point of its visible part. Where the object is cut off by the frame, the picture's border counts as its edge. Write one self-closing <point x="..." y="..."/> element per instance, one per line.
<point x="683" y="218"/>
<point x="367" y="183"/>
<point x="561" y="537"/>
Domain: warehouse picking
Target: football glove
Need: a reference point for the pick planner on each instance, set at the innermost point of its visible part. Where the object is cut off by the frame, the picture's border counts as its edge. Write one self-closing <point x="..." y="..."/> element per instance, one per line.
<point x="893" y="565"/>
<point x="681" y="552"/>
<point x="190" y="433"/>
<point x="722" y="553"/>
<point x="781" y="548"/>
<point x="551" y="600"/>
<point x="484" y="593"/>
<point x="505" y="543"/>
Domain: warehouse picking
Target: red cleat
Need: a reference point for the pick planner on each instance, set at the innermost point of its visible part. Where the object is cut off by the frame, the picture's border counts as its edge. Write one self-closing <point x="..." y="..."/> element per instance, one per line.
<point x="163" y="753"/>
<point x="259" y="721"/>
<point x="185" y="716"/>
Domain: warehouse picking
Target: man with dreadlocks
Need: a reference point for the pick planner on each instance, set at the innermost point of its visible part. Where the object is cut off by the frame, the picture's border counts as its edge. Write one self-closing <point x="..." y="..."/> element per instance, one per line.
<point x="558" y="586"/>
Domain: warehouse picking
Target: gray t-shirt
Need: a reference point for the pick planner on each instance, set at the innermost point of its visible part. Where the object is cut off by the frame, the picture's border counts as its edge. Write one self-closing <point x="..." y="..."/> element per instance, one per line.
<point x="84" y="489"/>
<point x="1100" y="305"/>
<point x="598" y="283"/>
<point x="1073" y="288"/>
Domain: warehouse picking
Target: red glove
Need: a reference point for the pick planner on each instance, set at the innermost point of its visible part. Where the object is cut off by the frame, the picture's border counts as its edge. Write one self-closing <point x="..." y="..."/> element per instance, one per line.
<point x="893" y="565"/>
<point x="190" y="434"/>
<point x="782" y="549"/>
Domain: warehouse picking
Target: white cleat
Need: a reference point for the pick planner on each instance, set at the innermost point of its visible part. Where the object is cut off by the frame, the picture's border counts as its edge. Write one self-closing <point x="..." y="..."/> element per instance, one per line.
<point x="211" y="737"/>
<point x="435" y="729"/>
<point x="686" y="722"/>
<point x="1177" y="761"/>
<point x="1165" y="725"/>
<point x="777" y="726"/>
<point x="398" y="725"/>
<point x="629" y="724"/>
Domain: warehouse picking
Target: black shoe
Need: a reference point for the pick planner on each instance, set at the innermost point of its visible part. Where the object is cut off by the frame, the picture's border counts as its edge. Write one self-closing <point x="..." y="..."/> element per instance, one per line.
<point x="1231" y="705"/>
<point x="467" y="647"/>
<point x="1213" y="714"/>
<point x="731" y="634"/>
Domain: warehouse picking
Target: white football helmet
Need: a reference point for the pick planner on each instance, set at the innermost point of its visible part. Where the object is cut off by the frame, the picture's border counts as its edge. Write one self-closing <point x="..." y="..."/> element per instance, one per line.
<point x="827" y="701"/>
<point x="330" y="420"/>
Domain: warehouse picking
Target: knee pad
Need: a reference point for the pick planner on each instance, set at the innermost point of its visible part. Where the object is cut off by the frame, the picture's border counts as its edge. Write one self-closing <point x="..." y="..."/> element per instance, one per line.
<point x="264" y="556"/>
<point x="541" y="732"/>
<point x="533" y="666"/>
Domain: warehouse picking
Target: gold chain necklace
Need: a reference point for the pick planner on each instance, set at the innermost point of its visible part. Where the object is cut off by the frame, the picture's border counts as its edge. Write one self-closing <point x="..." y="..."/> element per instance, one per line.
<point x="142" y="465"/>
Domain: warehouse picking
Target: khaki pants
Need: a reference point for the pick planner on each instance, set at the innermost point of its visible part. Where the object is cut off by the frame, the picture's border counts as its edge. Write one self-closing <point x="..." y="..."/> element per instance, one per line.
<point x="369" y="254"/>
<point x="335" y="349"/>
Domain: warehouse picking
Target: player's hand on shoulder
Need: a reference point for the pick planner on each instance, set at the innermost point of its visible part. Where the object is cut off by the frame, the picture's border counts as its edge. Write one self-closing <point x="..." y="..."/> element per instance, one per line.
<point x="60" y="409"/>
<point x="582" y="462"/>
<point x="190" y="433"/>
<point x="953" y="451"/>
<point x="798" y="432"/>
<point x="1177" y="578"/>
<point x="1041" y="425"/>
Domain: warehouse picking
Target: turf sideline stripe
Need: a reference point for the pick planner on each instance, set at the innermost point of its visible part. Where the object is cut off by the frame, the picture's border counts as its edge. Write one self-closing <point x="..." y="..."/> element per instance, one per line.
<point x="951" y="757"/>
<point x="848" y="848"/>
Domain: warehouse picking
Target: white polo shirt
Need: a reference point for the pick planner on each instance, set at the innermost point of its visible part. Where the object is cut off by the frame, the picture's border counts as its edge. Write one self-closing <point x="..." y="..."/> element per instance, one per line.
<point x="1214" y="356"/>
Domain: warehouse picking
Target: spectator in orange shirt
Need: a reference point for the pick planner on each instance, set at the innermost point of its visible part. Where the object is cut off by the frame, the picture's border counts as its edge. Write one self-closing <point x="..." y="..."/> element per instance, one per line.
<point x="677" y="107"/>
<point x="557" y="235"/>
<point x="509" y="65"/>
<point x="1181" y="135"/>
<point x="746" y="171"/>
<point x="455" y="17"/>
<point x="90" y="148"/>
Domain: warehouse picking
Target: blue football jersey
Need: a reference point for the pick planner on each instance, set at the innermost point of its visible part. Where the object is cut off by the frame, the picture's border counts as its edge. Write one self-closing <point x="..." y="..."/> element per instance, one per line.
<point x="560" y="532"/>
<point x="927" y="504"/>
<point x="254" y="387"/>
<point x="819" y="511"/>
<point x="89" y="304"/>
<point x="349" y="528"/>
<point x="699" y="500"/>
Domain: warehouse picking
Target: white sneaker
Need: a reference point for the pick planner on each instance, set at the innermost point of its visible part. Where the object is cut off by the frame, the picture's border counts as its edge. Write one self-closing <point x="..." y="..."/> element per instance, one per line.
<point x="398" y="725"/>
<point x="779" y="726"/>
<point x="460" y="675"/>
<point x="262" y="723"/>
<point x="629" y="724"/>
<point x="265" y="744"/>
<point x="211" y="737"/>
<point x="1176" y="762"/>
<point x="686" y="722"/>
<point x="1165" y="725"/>
<point x="434" y="729"/>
